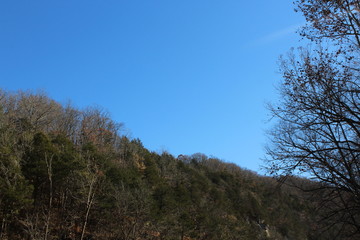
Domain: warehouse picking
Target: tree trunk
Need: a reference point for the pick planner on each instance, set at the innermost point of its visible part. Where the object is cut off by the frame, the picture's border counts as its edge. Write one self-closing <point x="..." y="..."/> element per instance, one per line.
<point x="48" y="217"/>
<point x="89" y="202"/>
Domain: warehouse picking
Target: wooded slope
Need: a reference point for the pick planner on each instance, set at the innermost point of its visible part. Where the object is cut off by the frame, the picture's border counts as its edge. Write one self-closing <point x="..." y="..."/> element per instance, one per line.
<point x="67" y="173"/>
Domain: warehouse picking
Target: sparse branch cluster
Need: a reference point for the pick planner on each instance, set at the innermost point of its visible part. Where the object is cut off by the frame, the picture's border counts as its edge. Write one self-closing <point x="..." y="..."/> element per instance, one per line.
<point x="336" y="20"/>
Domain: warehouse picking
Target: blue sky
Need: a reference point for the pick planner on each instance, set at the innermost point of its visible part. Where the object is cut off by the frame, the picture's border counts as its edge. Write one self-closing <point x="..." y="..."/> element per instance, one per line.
<point x="183" y="76"/>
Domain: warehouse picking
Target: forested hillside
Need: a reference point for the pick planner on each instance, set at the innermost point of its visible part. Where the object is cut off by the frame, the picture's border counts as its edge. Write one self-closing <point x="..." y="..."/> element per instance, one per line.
<point x="67" y="173"/>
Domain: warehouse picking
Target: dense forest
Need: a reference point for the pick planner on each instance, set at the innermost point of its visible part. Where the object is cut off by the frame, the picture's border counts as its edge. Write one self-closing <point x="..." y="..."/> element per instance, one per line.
<point x="67" y="173"/>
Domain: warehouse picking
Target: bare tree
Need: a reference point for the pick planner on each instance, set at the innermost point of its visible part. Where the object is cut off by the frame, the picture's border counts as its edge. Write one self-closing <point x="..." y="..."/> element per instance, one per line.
<point x="318" y="131"/>
<point x="318" y="128"/>
<point x="97" y="127"/>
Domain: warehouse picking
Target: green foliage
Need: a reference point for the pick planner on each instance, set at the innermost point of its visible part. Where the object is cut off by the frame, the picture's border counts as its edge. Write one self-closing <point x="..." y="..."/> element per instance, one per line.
<point x="66" y="160"/>
<point x="129" y="177"/>
<point x="15" y="191"/>
<point x="151" y="171"/>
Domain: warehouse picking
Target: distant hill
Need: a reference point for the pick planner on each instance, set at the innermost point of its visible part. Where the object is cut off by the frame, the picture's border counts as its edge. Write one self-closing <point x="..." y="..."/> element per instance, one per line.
<point x="67" y="173"/>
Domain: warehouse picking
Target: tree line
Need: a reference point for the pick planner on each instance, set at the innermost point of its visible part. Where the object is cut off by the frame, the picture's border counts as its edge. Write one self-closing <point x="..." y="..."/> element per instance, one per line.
<point x="67" y="173"/>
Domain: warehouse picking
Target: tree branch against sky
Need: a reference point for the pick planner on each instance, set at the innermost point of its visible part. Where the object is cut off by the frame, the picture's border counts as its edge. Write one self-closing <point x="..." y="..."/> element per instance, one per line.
<point x="318" y="129"/>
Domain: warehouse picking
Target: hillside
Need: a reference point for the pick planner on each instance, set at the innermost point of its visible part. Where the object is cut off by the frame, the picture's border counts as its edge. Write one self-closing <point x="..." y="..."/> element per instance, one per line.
<point x="67" y="173"/>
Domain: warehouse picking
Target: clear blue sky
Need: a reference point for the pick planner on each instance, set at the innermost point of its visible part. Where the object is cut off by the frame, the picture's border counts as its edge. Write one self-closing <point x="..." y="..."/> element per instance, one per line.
<point x="183" y="76"/>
